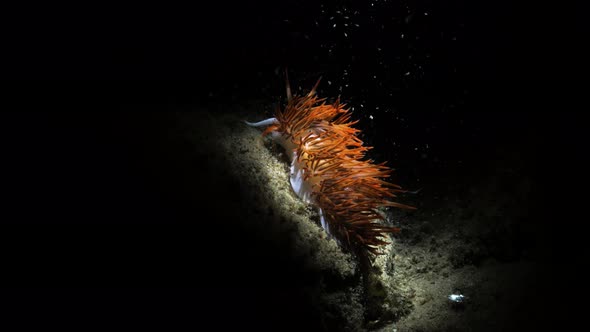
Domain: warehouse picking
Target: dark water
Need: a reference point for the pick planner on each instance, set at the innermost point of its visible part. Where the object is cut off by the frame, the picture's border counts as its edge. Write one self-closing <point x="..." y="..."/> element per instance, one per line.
<point x="444" y="91"/>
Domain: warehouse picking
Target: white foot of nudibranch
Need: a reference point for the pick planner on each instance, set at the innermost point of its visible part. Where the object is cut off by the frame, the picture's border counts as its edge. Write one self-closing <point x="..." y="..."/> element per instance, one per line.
<point x="301" y="187"/>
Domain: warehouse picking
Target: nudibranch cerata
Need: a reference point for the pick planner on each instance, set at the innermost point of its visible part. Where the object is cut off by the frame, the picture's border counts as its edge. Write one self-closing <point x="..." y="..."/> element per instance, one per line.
<point x="329" y="169"/>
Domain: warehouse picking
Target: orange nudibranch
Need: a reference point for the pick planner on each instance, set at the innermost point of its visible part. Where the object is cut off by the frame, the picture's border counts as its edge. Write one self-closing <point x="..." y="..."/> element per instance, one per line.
<point x="329" y="169"/>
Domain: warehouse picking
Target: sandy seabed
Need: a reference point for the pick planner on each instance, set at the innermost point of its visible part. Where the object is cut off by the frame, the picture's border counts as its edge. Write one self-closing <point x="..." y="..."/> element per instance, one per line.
<point x="453" y="244"/>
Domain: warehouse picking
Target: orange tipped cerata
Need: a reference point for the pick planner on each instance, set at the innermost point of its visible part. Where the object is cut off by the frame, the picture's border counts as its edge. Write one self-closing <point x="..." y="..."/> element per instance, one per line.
<point x="343" y="184"/>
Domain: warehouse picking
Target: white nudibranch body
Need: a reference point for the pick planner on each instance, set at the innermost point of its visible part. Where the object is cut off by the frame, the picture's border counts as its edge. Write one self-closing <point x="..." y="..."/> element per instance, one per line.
<point x="301" y="185"/>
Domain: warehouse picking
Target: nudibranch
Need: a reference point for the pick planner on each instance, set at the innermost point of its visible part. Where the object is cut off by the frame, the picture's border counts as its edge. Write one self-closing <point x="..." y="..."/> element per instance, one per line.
<point x="329" y="169"/>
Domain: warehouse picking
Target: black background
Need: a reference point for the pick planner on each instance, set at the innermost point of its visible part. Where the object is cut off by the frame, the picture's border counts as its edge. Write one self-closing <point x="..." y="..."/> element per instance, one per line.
<point x="85" y="89"/>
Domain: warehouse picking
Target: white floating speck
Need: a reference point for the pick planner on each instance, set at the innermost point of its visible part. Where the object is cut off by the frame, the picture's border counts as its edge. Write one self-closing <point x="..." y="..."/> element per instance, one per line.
<point x="334" y="25"/>
<point x="345" y="35"/>
<point x="407" y="74"/>
<point x="329" y="82"/>
<point x="371" y="117"/>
